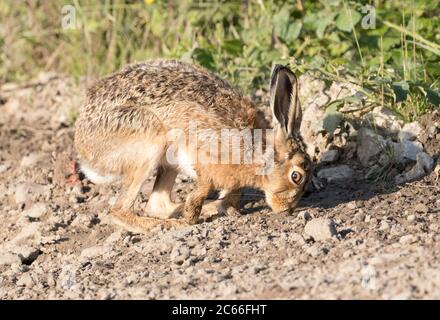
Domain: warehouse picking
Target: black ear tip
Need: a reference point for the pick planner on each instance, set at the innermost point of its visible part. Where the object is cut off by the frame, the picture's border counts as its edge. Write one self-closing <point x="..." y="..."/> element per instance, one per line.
<point x="277" y="68"/>
<point x="275" y="71"/>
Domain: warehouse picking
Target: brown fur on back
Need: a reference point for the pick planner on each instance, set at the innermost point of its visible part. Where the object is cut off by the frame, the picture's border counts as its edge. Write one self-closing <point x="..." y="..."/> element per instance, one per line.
<point x="160" y="86"/>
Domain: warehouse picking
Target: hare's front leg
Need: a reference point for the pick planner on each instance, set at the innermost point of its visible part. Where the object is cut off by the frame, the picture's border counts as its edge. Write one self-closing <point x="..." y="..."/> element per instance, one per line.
<point x="231" y="203"/>
<point x="194" y="202"/>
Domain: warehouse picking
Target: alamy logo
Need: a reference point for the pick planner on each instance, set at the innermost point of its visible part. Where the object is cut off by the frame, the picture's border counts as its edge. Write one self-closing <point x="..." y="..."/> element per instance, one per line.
<point x="68" y="21"/>
<point x="369" y="18"/>
<point x="225" y="146"/>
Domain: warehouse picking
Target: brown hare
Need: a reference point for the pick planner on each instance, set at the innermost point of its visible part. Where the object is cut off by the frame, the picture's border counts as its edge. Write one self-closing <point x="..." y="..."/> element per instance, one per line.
<point x="124" y="132"/>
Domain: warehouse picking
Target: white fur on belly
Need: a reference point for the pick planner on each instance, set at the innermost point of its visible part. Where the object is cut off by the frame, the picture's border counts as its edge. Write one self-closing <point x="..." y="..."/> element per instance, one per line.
<point x="96" y="177"/>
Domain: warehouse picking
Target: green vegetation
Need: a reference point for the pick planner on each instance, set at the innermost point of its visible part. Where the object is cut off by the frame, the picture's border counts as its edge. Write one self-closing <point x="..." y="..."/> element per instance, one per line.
<point x="396" y="62"/>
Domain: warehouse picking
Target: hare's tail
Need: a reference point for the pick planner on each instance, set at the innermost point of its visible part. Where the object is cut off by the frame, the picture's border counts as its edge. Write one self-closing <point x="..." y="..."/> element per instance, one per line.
<point x="134" y="223"/>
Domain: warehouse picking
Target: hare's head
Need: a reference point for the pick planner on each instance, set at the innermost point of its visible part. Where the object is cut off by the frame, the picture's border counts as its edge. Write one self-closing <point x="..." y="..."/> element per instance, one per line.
<point x="286" y="183"/>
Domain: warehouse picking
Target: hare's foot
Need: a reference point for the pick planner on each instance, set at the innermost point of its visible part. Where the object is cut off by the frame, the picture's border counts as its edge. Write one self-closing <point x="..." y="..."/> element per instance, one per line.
<point x="131" y="222"/>
<point x="228" y="204"/>
<point x="174" y="210"/>
<point x="194" y="202"/>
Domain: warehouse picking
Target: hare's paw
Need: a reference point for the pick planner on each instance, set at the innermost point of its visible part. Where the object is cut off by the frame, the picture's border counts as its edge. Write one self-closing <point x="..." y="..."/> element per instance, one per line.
<point x="218" y="208"/>
<point x="173" y="210"/>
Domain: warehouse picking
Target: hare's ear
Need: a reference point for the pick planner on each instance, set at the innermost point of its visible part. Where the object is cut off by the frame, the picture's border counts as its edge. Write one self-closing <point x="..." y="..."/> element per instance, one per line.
<point x="284" y="99"/>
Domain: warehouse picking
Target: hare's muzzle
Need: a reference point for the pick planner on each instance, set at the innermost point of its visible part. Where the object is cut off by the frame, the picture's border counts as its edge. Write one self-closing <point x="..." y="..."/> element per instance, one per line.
<point x="283" y="202"/>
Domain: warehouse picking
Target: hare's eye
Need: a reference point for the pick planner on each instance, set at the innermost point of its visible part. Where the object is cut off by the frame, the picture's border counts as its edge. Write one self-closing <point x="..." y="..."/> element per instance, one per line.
<point x="296" y="177"/>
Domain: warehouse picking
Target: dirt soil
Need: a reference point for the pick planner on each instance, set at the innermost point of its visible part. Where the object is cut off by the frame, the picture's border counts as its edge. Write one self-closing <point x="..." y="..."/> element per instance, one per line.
<point x="56" y="242"/>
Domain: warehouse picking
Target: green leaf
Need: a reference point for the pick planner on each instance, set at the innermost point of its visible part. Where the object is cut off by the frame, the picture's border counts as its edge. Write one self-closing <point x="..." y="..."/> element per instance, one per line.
<point x="286" y="29"/>
<point x="233" y="47"/>
<point x="344" y="22"/>
<point x="323" y="20"/>
<point x="203" y="57"/>
<point x="401" y="90"/>
<point x="332" y="117"/>
<point x="433" y="97"/>
<point x="293" y="31"/>
<point x="280" y="22"/>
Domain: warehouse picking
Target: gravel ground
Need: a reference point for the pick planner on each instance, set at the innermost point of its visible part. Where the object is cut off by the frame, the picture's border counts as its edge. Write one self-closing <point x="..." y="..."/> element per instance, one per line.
<point x="352" y="239"/>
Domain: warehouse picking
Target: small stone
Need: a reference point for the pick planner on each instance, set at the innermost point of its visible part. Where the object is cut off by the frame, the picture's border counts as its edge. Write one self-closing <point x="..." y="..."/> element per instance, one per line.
<point x="421" y="208"/>
<point x="437" y="169"/>
<point x="305" y="215"/>
<point x="67" y="277"/>
<point x="384" y="225"/>
<point x="320" y="229"/>
<point x="26" y="254"/>
<point x="51" y="279"/>
<point x="32" y="230"/>
<point x="25" y="281"/>
<point x="179" y="254"/>
<point x="410" y="131"/>
<point x="7" y="258"/>
<point x="24" y="190"/>
<point x="359" y="216"/>
<point x="386" y="119"/>
<point x="407" y="151"/>
<point x="338" y="173"/>
<point x="411" y="218"/>
<point x="36" y="211"/>
<point x="30" y="160"/>
<point x="5" y="167"/>
<point x="370" y="146"/>
<point x="114" y="237"/>
<point x="258" y="267"/>
<point x="407" y="239"/>
<point x="329" y="156"/>
<point x="422" y="167"/>
<point x="94" y="251"/>
<point x="425" y="162"/>
<point x="351" y="205"/>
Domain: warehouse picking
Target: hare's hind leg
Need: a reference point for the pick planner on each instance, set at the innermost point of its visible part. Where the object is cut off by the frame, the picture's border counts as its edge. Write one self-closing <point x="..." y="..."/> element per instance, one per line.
<point x="160" y="204"/>
<point x="122" y="213"/>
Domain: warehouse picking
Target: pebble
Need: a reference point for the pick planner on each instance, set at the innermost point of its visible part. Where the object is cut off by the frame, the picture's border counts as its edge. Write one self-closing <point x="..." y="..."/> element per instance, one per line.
<point x="30" y="160"/>
<point x="407" y="239"/>
<point x="180" y="254"/>
<point x="359" y="216"/>
<point x="351" y="205"/>
<point x="320" y="229"/>
<point x="329" y="156"/>
<point x="26" y="254"/>
<point x="338" y="173"/>
<point x="26" y="281"/>
<point x="7" y="258"/>
<point x="305" y="215"/>
<point x="24" y="191"/>
<point x="95" y="251"/>
<point x="36" y="211"/>
<point x="421" y="208"/>
<point x="384" y="225"/>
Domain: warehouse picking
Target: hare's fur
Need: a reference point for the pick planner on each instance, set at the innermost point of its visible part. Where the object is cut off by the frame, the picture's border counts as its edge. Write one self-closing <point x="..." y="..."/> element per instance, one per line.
<point x="122" y="132"/>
